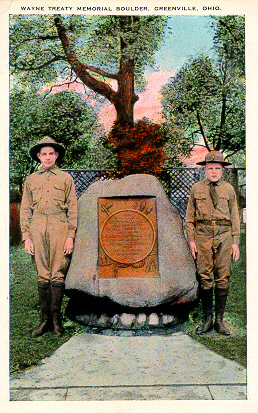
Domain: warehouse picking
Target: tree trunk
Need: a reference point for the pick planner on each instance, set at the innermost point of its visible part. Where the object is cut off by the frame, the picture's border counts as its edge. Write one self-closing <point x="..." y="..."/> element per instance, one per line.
<point x="205" y="138"/>
<point x="125" y="98"/>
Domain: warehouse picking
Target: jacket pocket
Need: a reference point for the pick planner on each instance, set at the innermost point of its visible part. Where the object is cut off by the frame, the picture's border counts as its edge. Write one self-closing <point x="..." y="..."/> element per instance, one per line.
<point x="201" y="204"/>
<point x="58" y="193"/>
<point x="36" y="193"/>
<point x="223" y="203"/>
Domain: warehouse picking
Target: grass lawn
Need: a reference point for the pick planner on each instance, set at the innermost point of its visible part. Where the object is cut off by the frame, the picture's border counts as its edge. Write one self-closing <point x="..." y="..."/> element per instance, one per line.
<point x="233" y="346"/>
<point x="26" y="351"/>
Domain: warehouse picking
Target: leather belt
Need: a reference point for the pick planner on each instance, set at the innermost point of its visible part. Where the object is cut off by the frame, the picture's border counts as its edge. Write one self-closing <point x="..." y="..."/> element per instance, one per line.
<point x="214" y="222"/>
<point x="49" y="213"/>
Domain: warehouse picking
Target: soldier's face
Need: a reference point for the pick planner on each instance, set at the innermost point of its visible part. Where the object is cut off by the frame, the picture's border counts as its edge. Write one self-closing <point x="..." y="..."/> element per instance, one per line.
<point x="213" y="171"/>
<point x="47" y="156"/>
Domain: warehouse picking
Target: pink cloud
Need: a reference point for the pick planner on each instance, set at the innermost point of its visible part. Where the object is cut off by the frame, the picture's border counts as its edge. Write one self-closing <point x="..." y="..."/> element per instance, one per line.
<point x="75" y="87"/>
<point x="197" y="154"/>
<point x="148" y="105"/>
<point x="107" y="115"/>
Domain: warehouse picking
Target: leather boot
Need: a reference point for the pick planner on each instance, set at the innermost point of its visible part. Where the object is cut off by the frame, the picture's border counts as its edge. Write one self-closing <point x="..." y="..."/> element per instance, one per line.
<point x="44" y="292"/>
<point x="220" y="304"/>
<point x="207" y="302"/>
<point x="57" y="298"/>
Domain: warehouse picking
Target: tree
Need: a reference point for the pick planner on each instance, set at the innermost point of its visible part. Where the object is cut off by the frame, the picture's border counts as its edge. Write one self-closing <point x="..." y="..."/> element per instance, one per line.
<point x="65" y="116"/>
<point x="139" y="147"/>
<point x="97" y="51"/>
<point x="207" y="100"/>
<point x="229" y="42"/>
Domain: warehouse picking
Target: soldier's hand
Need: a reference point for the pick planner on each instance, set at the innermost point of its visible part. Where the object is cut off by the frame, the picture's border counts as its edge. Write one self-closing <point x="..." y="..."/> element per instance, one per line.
<point x="29" y="247"/>
<point x="235" y="252"/>
<point x="68" y="246"/>
<point x="193" y="249"/>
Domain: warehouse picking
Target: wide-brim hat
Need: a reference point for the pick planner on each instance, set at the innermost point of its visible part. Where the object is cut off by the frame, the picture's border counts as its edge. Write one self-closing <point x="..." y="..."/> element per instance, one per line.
<point x="214" y="157"/>
<point x="46" y="141"/>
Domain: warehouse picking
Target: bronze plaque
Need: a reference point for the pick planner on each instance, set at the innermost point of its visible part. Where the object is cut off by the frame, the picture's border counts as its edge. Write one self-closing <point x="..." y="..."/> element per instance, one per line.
<point x="127" y="237"/>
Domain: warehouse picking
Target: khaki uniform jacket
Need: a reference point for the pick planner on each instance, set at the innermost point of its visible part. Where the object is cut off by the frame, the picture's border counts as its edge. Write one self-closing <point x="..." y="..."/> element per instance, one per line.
<point x="48" y="191"/>
<point x="200" y="207"/>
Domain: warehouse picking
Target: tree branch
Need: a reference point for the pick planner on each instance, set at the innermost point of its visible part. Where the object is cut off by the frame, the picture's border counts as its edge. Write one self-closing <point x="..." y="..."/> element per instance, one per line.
<point x="62" y="84"/>
<point x="233" y="37"/>
<point x="101" y="72"/>
<point x="224" y="108"/>
<point x="231" y="154"/>
<point x="203" y="131"/>
<point x="81" y="69"/>
<point x="192" y="135"/>
<point x="49" y="62"/>
<point x="199" y="144"/>
<point x="38" y="38"/>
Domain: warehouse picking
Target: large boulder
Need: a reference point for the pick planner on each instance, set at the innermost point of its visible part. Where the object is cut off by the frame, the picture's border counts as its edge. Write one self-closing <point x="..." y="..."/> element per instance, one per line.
<point x="176" y="281"/>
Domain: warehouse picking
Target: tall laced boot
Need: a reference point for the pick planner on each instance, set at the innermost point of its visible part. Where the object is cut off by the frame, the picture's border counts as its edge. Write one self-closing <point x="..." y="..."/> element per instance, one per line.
<point x="221" y="295"/>
<point x="57" y="298"/>
<point x="44" y="292"/>
<point x="207" y="303"/>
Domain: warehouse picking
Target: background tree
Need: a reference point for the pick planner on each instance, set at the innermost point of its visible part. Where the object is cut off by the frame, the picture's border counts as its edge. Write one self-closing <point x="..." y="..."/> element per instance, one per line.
<point x="67" y="118"/>
<point x="105" y="53"/>
<point x="206" y="99"/>
<point x="229" y="42"/>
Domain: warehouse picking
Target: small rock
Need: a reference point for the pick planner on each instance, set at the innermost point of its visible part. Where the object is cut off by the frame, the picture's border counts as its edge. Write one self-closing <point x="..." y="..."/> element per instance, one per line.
<point x="115" y="320"/>
<point x="109" y="332"/>
<point x="127" y="320"/>
<point x="104" y="321"/>
<point x="83" y="318"/>
<point x="140" y="320"/>
<point x="153" y="320"/>
<point x="128" y="333"/>
<point x="171" y="319"/>
<point x="93" y="320"/>
<point x="167" y="319"/>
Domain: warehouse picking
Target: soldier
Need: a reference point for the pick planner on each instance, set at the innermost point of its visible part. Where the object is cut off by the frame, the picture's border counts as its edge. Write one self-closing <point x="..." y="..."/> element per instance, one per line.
<point x="213" y="228"/>
<point x="48" y="218"/>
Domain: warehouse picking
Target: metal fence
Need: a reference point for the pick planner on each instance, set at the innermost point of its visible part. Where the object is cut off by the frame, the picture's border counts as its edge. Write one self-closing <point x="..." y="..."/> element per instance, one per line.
<point x="178" y="183"/>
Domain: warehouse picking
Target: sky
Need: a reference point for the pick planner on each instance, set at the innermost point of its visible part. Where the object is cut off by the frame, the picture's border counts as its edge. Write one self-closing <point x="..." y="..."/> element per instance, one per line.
<point x="185" y="37"/>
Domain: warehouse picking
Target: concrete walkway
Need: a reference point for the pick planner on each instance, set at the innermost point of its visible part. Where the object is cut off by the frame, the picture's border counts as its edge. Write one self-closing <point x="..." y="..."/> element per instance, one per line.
<point x="110" y="367"/>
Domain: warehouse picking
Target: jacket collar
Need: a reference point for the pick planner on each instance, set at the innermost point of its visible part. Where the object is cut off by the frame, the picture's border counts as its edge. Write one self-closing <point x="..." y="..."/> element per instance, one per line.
<point x="53" y="169"/>
<point x="207" y="181"/>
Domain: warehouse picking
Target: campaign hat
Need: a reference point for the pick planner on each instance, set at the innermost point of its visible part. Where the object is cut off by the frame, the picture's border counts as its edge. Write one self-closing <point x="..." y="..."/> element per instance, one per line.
<point x="47" y="141"/>
<point x="214" y="157"/>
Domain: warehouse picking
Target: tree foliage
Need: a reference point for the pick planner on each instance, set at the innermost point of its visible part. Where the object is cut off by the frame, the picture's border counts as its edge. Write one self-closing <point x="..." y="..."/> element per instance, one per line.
<point x="105" y="53"/>
<point x="66" y="117"/>
<point x="206" y="101"/>
<point x="229" y="42"/>
<point x="139" y="147"/>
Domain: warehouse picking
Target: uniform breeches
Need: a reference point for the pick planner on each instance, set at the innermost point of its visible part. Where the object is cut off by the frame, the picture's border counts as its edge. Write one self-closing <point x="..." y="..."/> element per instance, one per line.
<point x="214" y="250"/>
<point x="48" y="235"/>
